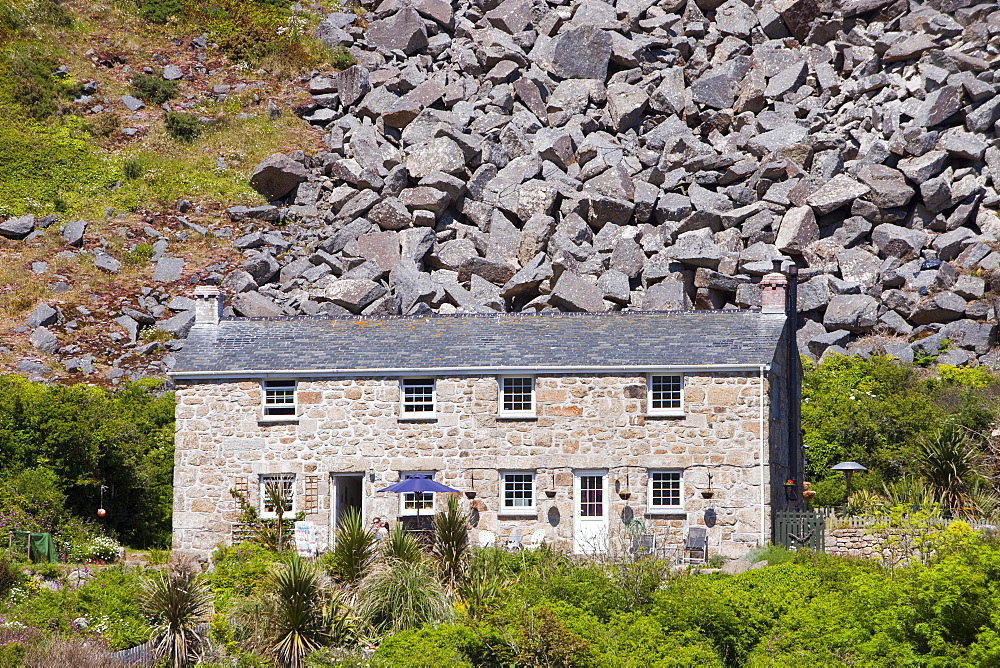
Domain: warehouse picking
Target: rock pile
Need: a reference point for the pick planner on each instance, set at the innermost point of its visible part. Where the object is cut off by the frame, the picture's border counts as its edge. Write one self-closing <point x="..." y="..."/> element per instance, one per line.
<point x="589" y="156"/>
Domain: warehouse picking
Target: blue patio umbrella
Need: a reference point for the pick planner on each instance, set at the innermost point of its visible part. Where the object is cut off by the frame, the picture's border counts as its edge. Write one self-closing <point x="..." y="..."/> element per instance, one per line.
<point x="418" y="484"/>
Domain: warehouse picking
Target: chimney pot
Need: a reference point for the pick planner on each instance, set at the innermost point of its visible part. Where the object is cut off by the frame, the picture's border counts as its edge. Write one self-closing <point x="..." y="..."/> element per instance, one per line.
<point x="773" y="293"/>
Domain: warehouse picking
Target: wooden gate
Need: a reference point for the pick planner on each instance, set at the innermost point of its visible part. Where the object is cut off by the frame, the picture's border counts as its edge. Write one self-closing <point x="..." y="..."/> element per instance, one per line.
<point x="797" y="529"/>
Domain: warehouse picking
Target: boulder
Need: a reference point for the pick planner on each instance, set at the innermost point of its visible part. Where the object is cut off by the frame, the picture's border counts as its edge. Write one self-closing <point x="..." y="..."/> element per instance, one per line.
<point x="854" y="313"/>
<point x="255" y="305"/>
<point x="942" y="307"/>
<point x="277" y="175"/>
<point x="896" y="241"/>
<point x="835" y="193"/>
<point x="581" y="53"/>
<point x="573" y="293"/>
<point x="17" y="227"/>
<point x="403" y="31"/>
<point x="888" y="186"/>
<point x="797" y="230"/>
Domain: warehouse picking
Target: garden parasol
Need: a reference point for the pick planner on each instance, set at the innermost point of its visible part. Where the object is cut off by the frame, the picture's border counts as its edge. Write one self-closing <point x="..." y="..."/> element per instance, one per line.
<point x="417" y="484"/>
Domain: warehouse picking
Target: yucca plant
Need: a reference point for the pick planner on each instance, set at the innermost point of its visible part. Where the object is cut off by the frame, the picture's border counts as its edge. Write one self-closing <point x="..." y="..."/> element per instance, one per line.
<point x="399" y="596"/>
<point x="300" y="615"/>
<point x="176" y="603"/>
<point x="354" y="548"/>
<point x="402" y="546"/>
<point x="451" y="542"/>
<point x="276" y="500"/>
<point x="948" y="463"/>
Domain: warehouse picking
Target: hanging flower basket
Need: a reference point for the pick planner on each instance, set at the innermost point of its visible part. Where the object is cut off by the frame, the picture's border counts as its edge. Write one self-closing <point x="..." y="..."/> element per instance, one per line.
<point x="808" y="494"/>
<point x="624" y="495"/>
<point x="470" y="493"/>
<point x="707" y="494"/>
<point x="551" y="493"/>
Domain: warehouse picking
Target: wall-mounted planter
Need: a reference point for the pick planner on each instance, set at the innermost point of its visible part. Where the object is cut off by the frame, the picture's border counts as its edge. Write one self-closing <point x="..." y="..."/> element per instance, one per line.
<point x="707" y="494"/>
<point x="808" y="494"/>
<point x="470" y="494"/>
<point x="790" y="492"/>
<point x="551" y="493"/>
<point x="624" y="495"/>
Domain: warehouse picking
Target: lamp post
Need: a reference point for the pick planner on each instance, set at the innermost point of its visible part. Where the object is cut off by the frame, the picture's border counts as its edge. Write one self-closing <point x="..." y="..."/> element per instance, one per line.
<point x="848" y="468"/>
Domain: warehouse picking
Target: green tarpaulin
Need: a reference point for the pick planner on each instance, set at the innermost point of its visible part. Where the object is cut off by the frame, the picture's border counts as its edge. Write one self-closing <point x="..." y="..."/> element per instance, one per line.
<point x="40" y="546"/>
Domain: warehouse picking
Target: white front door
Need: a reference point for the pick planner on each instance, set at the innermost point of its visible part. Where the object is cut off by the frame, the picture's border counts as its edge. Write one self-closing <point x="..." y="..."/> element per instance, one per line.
<point x="590" y="512"/>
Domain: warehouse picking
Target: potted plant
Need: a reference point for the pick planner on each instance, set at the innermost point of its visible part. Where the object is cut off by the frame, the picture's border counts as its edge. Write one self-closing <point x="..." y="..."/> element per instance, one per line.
<point x="551" y="493"/>
<point x="470" y="493"/>
<point x="790" y="489"/>
<point x="707" y="493"/>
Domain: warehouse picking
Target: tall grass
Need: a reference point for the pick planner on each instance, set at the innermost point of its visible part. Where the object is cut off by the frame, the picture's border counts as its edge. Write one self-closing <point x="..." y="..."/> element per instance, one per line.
<point x="402" y="596"/>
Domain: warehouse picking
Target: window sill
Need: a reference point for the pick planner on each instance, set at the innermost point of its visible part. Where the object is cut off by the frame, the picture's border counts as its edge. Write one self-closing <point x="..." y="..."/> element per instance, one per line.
<point x="667" y="414"/>
<point x="426" y="417"/>
<point x="665" y="511"/>
<point x="517" y="416"/>
<point x="278" y="419"/>
<point x="520" y="512"/>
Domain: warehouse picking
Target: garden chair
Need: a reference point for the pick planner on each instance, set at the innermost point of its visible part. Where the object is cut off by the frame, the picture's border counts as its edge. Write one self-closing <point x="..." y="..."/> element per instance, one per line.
<point x="514" y="540"/>
<point x="535" y="540"/>
<point x="487" y="538"/>
<point x="696" y="547"/>
<point x="643" y="545"/>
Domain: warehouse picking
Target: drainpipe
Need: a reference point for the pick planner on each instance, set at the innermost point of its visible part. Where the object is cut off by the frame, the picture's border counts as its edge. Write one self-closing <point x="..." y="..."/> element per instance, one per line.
<point x="763" y="497"/>
<point x="794" y="382"/>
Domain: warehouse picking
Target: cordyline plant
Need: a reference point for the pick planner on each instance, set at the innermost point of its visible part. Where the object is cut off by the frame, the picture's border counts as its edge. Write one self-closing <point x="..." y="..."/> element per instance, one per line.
<point x="949" y="465"/>
<point x="451" y="542"/>
<point x="177" y="602"/>
<point x="302" y="614"/>
<point x="354" y="549"/>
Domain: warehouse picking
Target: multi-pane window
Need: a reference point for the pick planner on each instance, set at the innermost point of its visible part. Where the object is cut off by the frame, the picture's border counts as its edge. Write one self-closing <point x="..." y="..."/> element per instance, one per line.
<point x="517" y="394"/>
<point x="666" y="394"/>
<point x="665" y="489"/>
<point x="279" y="398"/>
<point x="274" y="487"/>
<point x="417" y="502"/>
<point x="518" y="491"/>
<point x="591" y="496"/>
<point x="418" y="397"/>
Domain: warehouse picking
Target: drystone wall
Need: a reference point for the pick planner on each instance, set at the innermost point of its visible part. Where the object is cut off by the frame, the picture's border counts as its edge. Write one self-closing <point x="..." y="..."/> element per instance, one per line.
<point x="583" y="423"/>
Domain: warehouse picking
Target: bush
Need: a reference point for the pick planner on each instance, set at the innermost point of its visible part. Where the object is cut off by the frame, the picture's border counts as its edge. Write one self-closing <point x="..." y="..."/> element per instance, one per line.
<point x="158" y="11"/>
<point x="181" y="127"/>
<point x="153" y="89"/>
<point x="139" y="254"/>
<point x="97" y="550"/>
<point x="341" y="58"/>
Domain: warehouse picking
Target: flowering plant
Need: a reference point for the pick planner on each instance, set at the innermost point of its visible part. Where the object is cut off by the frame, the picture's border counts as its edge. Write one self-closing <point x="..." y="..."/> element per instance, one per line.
<point x="789" y="482"/>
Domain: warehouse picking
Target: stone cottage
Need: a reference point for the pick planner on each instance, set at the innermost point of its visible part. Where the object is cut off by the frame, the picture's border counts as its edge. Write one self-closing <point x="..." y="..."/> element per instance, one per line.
<point x="573" y="428"/>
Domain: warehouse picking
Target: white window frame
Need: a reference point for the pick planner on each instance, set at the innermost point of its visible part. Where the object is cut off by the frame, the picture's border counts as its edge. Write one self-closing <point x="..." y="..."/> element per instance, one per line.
<point x="518" y="510"/>
<point x="650" y="410"/>
<point x="288" y="481"/>
<point x="410" y="497"/>
<point x="679" y="473"/>
<point x="531" y="412"/>
<point x="279" y="384"/>
<point x="405" y="414"/>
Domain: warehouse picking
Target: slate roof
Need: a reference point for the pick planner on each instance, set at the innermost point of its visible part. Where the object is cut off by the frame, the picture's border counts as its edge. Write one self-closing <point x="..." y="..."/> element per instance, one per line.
<point x="518" y="340"/>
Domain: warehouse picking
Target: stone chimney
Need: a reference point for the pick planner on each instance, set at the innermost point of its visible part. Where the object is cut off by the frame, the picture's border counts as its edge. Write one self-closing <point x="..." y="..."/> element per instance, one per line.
<point x="773" y="291"/>
<point x="208" y="306"/>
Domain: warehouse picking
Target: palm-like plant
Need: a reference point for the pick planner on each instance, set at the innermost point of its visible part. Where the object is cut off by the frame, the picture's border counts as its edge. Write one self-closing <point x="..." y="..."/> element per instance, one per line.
<point x="402" y="546"/>
<point x="402" y="596"/>
<point x="948" y="463"/>
<point x="176" y="603"/>
<point x="354" y="549"/>
<point x="276" y="500"/>
<point x="451" y="542"/>
<point x="300" y="615"/>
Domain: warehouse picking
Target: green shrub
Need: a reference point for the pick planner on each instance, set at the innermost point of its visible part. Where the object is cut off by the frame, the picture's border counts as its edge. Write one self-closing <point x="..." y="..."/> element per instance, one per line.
<point x="772" y="554"/>
<point x="402" y="596"/>
<point x="341" y="58"/>
<point x="36" y="90"/>
<point x="133" y="168"/>
<point x="158" y="11"/>
<point x="239" y="572"/>
<point x="139" y="254"/>
<point x="99" y="549"/>
<point x="153" y="89"/>
<point x="182" y="127"/>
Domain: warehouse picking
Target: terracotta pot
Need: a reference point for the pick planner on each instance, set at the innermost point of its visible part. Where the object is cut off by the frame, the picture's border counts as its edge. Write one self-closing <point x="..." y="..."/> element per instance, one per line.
<point x="707" y="494"/>
<point x="808" y="494"/>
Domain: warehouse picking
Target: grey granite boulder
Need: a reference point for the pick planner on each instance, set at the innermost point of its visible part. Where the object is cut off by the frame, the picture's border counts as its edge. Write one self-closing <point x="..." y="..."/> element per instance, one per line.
<point x="277" y="175"/>
<point x="854" y="313"/>
<point x="18" y="227"/>
<point x="581" y="53"/>
<point x="403" y="31"/>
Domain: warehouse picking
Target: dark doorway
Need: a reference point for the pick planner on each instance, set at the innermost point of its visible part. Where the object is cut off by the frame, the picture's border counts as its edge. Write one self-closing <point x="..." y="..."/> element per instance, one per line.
<point x="346" y="494"/>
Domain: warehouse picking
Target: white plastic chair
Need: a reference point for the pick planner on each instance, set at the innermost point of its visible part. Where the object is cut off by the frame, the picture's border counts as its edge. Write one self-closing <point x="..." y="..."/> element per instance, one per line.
<point x="535" y="540"/>
<point x="514" y="540"/>
<point x="487" y="538"/>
